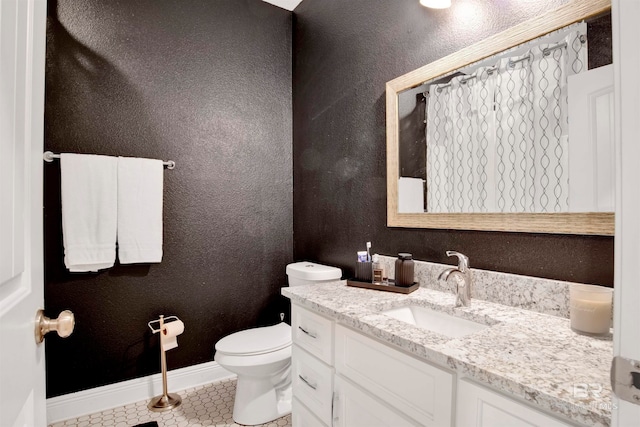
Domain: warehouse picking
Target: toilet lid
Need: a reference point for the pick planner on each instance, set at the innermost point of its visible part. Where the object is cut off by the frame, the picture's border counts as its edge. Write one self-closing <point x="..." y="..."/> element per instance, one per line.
<point x="256" y="340"/>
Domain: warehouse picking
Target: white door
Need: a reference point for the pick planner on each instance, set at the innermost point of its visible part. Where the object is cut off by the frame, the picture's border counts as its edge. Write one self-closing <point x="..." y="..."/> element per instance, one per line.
<point x="22" y="53"/>
<point x="626" y="316"/>
<point x="592" y="178"/>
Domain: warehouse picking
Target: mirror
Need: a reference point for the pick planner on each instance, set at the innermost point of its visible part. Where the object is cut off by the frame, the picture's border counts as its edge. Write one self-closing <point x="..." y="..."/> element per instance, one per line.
<point x="479" y="140"/>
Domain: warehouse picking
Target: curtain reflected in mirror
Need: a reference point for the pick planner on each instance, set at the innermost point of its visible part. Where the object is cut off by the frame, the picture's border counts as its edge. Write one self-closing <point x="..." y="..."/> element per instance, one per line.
<point x="529" y="130"/>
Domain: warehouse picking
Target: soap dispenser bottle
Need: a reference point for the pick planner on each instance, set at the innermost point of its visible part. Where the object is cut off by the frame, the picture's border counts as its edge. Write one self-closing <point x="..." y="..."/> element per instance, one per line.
<point x="404" y="270"/>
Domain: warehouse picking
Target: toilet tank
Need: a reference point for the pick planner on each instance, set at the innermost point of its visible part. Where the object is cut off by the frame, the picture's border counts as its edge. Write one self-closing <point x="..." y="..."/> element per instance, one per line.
<point x="306" y="273"/>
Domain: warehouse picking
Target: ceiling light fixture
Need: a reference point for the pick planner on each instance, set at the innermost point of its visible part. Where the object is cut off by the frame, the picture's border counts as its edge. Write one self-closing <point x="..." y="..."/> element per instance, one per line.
<point x="436" y="4"/>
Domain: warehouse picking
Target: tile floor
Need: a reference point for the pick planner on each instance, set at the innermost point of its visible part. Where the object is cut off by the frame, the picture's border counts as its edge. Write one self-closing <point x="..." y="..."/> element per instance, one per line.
<point x="208" y="405"/>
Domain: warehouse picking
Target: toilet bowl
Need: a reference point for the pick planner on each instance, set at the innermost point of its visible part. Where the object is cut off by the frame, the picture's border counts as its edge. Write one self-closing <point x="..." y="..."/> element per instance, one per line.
<point x="261" y="358"/>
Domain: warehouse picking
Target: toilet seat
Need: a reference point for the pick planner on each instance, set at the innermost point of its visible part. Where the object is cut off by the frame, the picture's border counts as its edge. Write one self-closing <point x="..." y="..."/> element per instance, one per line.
<point x="256" y="340"/>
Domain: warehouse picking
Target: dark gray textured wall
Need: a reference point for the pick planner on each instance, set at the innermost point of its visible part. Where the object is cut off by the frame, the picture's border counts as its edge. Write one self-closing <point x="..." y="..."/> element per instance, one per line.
<point x="204" y="83"/>
<point x="208" y="84"/>
<point x="344" y="52"/>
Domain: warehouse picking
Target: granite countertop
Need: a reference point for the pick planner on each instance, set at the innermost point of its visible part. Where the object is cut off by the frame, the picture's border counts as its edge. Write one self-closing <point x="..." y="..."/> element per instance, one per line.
<point x="533" y="356"/>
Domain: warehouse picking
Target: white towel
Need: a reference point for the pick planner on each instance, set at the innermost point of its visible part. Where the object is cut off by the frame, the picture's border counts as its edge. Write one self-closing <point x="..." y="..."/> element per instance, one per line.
<point x="139" y="210"/>
<point x="410" y="195"/>
<point x="89" y="211"/>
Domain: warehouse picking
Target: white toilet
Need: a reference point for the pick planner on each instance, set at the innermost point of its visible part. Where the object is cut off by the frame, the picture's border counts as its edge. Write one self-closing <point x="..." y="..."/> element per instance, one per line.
<point x="261" y="357"/>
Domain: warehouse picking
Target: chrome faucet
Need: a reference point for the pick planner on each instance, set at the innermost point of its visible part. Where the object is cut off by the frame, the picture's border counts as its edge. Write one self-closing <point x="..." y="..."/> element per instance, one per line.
<point x="463" y="273"/>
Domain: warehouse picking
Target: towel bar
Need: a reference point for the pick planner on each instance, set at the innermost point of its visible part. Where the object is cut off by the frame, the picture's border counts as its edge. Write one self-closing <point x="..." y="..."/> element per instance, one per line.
<point x="49" y="156"/>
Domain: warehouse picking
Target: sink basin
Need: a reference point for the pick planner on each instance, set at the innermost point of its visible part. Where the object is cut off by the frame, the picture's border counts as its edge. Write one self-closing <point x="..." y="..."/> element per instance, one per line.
<point x="435" y="321"/>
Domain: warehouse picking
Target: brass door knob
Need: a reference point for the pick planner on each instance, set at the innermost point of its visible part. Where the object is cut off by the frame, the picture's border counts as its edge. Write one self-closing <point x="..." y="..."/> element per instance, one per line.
<point x="63" y="325"/>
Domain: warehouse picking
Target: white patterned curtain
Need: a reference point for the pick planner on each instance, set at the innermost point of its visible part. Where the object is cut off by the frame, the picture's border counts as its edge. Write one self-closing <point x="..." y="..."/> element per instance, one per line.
<point x="496" y="139"/>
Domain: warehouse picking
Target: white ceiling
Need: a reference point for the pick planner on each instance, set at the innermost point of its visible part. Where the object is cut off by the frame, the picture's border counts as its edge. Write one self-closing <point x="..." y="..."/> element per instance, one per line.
<point x="285" y="4"/>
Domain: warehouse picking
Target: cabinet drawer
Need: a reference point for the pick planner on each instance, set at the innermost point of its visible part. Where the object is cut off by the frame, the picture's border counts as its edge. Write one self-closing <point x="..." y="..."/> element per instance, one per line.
<point x="355" y="408"/>
<point x="312" y="383"/>
<point x="301" y="416"/>
<point x="313" y="332"/>
<point x="481" y="407"/>
<point x="416" y="388"/>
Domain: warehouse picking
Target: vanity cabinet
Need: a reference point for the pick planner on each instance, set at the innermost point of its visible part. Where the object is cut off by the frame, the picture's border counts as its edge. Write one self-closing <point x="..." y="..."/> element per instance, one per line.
<point x="481" y="407"/>
<point x="342" y="378"/>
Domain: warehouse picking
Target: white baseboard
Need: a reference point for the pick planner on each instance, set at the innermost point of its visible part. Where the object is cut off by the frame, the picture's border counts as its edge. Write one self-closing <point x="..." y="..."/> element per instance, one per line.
<point x="98" y="399"/>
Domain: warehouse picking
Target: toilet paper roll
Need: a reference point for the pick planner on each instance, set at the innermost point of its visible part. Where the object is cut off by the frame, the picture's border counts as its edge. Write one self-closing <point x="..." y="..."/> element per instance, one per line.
<point x="170" y="333"/>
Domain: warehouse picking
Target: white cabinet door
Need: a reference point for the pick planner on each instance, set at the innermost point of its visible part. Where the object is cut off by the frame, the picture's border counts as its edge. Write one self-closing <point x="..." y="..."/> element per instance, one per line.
<point x="480" y="407"/>
<point x="22" y="53"/>
<point x="416" y="388"/>
<point x="355" y="408"/>
<point x="301" y="416"/>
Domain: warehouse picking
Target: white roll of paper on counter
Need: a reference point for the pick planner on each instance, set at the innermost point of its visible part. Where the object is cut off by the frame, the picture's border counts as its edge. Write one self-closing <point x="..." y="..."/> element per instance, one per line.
<point x="169" y="334"/>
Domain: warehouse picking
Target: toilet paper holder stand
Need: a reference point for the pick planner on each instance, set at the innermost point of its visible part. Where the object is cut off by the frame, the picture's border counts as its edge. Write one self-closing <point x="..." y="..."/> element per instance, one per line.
<point x="166" y="401"/>
<point x="161" y="321"/>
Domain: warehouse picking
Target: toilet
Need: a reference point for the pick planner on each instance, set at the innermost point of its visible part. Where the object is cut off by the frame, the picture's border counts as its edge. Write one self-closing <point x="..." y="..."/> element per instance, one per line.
<point x="261" y="357"/>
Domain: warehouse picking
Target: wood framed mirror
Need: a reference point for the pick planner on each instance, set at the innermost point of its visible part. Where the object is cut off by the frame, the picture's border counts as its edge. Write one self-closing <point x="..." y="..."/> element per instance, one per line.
<point x="549" y="220"/>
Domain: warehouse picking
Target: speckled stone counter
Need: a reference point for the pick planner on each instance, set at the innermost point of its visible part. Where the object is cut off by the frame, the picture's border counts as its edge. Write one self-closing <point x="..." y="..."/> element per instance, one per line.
<point x="529" y="355"/>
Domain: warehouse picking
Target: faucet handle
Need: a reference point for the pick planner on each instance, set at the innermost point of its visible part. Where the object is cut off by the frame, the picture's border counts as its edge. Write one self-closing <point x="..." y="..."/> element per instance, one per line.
<point x="463" y="260"/>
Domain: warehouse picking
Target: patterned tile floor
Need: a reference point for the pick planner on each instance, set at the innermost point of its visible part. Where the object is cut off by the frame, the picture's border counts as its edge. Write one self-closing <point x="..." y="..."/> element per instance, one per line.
<point x="208" y="405"/>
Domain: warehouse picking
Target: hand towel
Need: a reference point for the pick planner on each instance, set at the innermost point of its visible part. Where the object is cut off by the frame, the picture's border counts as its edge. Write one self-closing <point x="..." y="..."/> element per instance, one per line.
<point x="139" y="210"/>
<point x="89" y="210"/>
<point x="410" y="195"/>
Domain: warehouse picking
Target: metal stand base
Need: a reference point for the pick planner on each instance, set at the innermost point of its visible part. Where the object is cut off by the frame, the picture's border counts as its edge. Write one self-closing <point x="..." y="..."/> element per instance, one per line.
<point x="164" y="402"/>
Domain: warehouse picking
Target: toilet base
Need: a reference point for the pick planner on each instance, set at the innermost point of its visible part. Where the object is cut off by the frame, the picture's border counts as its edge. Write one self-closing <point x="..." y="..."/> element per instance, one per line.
<point x="263" y="387"/>
<point x="258" y="402"/>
